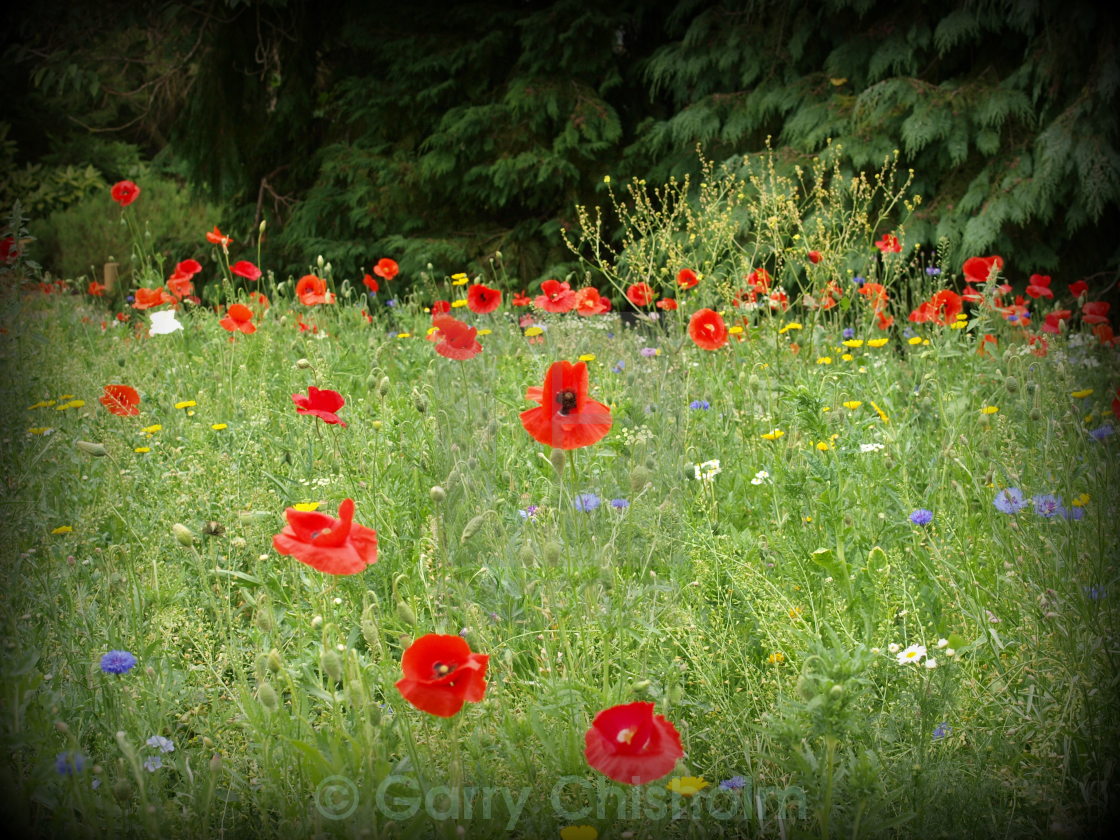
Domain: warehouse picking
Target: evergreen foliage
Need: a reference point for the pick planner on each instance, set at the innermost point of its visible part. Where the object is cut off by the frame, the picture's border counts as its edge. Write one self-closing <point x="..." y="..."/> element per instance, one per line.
<point x="443" y="133"/>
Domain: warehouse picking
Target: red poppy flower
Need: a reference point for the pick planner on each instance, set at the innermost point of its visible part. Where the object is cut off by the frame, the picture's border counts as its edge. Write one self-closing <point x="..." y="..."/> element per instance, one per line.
<point x="760" y="280"/>
<point x="590" y="302"/>
<point x="456" y="339"/>
<point x="668" y="304"/>
<point x="8" y="250"/>
<point x="885" y="321"/>
<point x="124" y="192"/>
<point x="218" y="238"/>
<point x="555" y="297"/>
<point x="566" y="417"/>
<point x="335" y="546"/>
<point x="244" y="268"/>
<point x="371" y="284"/>
<point x="1095" y="312"/>
<point x="640" y="294"/>
<point x="121" y="400"/>
<point x="779" y="300"/>
<point x="239" y="318"/>
<point x="481" y="299"/>
<point x="971" y="295"/>
<point x="1052" y="320"/>
<point x="321" y="403"/>
<point x="312" y="290"/>
<point x="1038" y="344"/>
<point x="180" y="285"/>
<point x="686" y="278"/>
<point x="1116" y="404"/>
<point x="1039" y="286"/>
<point x="631" y="744"/>
<point x="889" y="244"/>
<point x="1105" y="335"/>
<point x="521" y="299"/>
<point x="876" y="294"/>
<point x="707" y="329"/>
<point x="148" y="298"/>
<point x="441" y="674"/>
<point x="96" y="289"/>
<point x="1079" y="288"/>
<point x="440" y="307"/>
<point x="189" y="267"/>
<point x="979" y="269"/>
<point x="814" y="257"/>
<point x="942" y="308"/>
<point x="260" y="299"/>
<point x="982" y="349"/>
<point x="386" y="268"/>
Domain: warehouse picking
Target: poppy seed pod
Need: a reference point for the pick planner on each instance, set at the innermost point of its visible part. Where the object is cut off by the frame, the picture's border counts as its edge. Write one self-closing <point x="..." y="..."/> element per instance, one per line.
<point x="267" y="695"/>
<point x="264" y="619"/>
<point x="274" y="662"/>
<point x="1011" y="384"/>
<point x="303" y="364"/>
<point x="383" y="386"/>
<point x="183" y="534"/>
<point x="122" y="790"/>
<point x="331" y="664"/>
<point x="558" y="457"/>
<point x="370" y="631"/>
<point x="405" y="614"/>
<point x="552" y="552"/>
<point x="91" y="448"/>
<point x="438" y="494"/>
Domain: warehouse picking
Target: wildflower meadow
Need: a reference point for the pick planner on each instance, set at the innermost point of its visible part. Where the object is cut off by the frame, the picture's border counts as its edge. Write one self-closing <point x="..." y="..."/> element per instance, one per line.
<point x="768" y="523"/>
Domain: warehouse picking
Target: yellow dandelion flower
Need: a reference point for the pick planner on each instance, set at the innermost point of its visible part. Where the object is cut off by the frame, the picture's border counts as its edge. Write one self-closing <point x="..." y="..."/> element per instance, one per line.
<point x="1082" y="393"/>
<point x="606" y="179"/>
<point x="852" y="405"/>
<point x="792" y="325"/>
<point x="914" y="339"/>
<point x="735" y="330"/>
<point x="824" y="360"/>
<point x="458" y="304"/>
<point x="432" y="330"/>
<point x="404" y="335"/>
<point x="876" y="342"/>
<point x="826" y="408"/>
<point x="823" y="447"/>
<point x="151" y="430"/>
<point x="41" y="404"/>
<point x="306" y="507"/>
<point x="773" y="435"/>
<point x="961" y="316"/>
<point x="186" y="404"/>
<point x="925" y="341"/>
<point x="853" y="342"/>
<point x="776" y="657"/>
<point x="796" y="612"/>
<point x="217" y="427"/>
<point x="484" y="332"/>
<point x="587" y="357"/>
<point x="142" y="449"/>
<point x="847" y="357"/>
<point x="533" y="331"/>
<point x="989" y="409"/>
<point x="958" y="325"/>
<point x="882" y="414"/>
<point x="71" y="404"/>
<point x="459" y="279"/>
<point x="62" y="529"/>
<point x="686" y="785"/>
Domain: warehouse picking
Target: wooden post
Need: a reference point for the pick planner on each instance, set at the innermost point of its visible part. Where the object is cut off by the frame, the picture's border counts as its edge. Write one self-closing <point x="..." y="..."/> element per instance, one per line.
<point x="110" y="280"/>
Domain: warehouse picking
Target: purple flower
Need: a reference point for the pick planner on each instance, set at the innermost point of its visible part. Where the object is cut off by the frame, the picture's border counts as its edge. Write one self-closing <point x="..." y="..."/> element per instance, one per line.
<point x="620" y="504"/>
<point x="921" y="516"/>
<point x="529" y="512"/>
<point x="69" y="763"/>
<point x="587" y="502"/>
<point x="699" y="405"/>
<point x="932" y="270"/>
<point x="1074" y="513"/>
<point x="391" y="302"/>
<point x="118" y="662"/>
<point x="648" y="352"/>
<point x="1101" y="432"/>
<point x="1047" y="505"/>
<point x="1095" y="593"/>
<point x="734" y="783"/>
<point x="619" y="367"/>
<point x="163" y="744"/>
<point x="908" y="333"/>
<point x="941" y="731"/>
<point x="1010" y="500"/>
<point x="859" y="281"/>
<point x="152" y="763"/>
<point x="848" y="332"/>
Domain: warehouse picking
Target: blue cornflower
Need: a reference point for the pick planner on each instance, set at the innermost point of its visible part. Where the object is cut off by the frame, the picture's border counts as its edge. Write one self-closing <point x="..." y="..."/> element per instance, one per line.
<point x="163" y="744"/>
<point x="1074" y="513"/>
<point x="942" y="730"/>
<point x="529" y="512"/>
<point x="1101" y="432"/>
<point x="118" y="662"/>
<point x="699" y="405"/>
<point x="130" y="298"/>
<point x="1010" y="500"/>
<point x="619" y="367"/>
<point x="849" y="332"/>
<point x="152" y="763"/>
<point x="70" y="762"/>
<point x="1048" y="505"/>
<point x="587" y="502"/>
<point x="620" y="504"/>
<point x="859" y="281"/>
<point x="921" y="516"/>
<point x="908" y="333"/>
<point x="1095" y="593"/>
<point x="734" y="783"/>
<point x="391" y="302"/>
<point x="933" y="270"/>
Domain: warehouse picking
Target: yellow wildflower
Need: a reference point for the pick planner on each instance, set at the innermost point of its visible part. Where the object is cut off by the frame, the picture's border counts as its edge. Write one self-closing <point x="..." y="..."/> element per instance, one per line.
<point x="217" y="427"/>
<point x="735" y="330"/>
<point x="306" y="507"/>
<point x="847" y="357"/>
<point x="587" y="357"/>
<point x="776" y="657"/>
<point x="142" y="449"/>
<point x="1081" y="500"/>
<point x="852" y="405"/>
<point x="876" y="342"/>
<point x="458" y="304"/>
<point x="41" y="404"/>
<point x="882" y="414"/>
<point x="1082" y="393"/>
<point x="773" y="435"/>
<point x="686" y="785"/>
<point x="484" y="332"/>
<point x="62" y="529"/>
<point x="792" y="325"/>
<point x="579" y="832"/>
<point x="404" y="335"/>
<point x="151" y="430"/>
<point x="186" y="404"/>
<point x="989" y="409"/>
<point x="38" y="430"/>
<point x="822" y="446"/>
<point x="853" y="342"/>
<point x="533" y="331"/>
<point x="914" y="339"/>
<point x="824" y="360"/>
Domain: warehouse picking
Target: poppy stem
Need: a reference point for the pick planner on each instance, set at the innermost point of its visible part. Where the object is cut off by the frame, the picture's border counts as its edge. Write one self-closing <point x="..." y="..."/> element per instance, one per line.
<point x="467" y="394"/>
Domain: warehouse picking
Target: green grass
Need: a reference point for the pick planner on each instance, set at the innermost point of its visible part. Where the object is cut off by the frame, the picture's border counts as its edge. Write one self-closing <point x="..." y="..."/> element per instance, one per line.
<point x="756" y="616"/>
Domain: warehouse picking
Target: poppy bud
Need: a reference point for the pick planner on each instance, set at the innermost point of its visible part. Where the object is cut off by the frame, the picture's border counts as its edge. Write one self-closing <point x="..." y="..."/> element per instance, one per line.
<point x="1011" y="384"/>
<point x="370" y="631"/>
<point x="61" y="726"/>
<point x="216" y="760"/>
<point x="122" y="790"/>
<point x="383" y="386"/>
<point x="639" y="478"/>
<point x="552" y="552"/>
<point x="316" y="622"/>
<point x="640" y="685"/>
<point x="319" y="261"/>
<point x="405" y="614"/>
<point x="274" y="663"/>
<point x="303" y="364"/>
<point x="267" y="695"/>
<point x="419" y="402"/>
<point x="1035" y="414"/>
<point x="90" y="448"/>
<point x="260" y="230"/>
<point x="264" y="620"/>
<point x="527" y="556"/>
<point x="183" y="534"/>
<point x="331" y="664"/>
<point x="473" y="526"/>
<point x="438" y="494"/>
<point x="557" y="459"/>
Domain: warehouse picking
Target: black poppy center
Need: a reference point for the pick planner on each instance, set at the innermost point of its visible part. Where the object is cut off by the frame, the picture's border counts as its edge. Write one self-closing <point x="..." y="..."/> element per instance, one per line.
<point x="567" y="400"/>
<point x="439" y="669"/>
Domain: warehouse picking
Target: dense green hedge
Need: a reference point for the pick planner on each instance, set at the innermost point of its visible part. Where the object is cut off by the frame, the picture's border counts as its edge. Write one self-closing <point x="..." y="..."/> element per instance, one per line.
<point x="441" y="133"/>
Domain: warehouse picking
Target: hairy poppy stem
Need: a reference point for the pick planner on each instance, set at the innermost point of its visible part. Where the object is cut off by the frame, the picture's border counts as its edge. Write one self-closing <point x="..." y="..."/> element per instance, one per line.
<point x="467" y="394"/>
